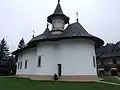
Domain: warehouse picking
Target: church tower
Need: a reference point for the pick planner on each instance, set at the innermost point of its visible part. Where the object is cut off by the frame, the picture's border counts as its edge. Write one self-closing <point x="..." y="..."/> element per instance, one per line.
<point x="58" y="20"/>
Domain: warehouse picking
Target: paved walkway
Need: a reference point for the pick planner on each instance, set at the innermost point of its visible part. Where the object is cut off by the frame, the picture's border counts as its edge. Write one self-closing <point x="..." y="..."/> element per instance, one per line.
<point x="108" y="83"/>
<point x="117" y="77"/>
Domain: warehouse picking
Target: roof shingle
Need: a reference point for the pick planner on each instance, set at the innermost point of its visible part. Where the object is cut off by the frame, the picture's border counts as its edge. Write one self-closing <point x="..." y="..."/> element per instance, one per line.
<point x="74" y="30"/>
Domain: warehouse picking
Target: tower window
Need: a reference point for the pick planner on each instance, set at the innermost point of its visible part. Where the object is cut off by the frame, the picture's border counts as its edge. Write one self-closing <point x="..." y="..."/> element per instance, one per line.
<point x="25" y="64"/>
<point x="58" y="24"/>
<point x="39" y="62"/>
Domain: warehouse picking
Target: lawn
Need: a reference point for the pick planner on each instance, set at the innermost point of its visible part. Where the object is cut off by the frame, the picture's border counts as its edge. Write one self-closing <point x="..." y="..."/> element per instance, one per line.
<point x="10" y="83"/>
<point x="110" y="79"/>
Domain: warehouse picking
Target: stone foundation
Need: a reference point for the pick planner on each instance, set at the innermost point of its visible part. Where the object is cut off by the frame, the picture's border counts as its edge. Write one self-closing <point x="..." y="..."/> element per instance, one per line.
<point x="79" y="78"/>
<point x="37" y="77"/>
<point x="62" y="78"/>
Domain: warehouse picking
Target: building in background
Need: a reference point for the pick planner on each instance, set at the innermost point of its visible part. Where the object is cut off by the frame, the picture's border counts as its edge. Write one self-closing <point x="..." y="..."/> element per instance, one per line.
<point x="108" y="59"/>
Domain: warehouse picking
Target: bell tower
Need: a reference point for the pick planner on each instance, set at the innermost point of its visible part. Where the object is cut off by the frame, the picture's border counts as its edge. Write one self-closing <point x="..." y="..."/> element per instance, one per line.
<point x="58" y="20"/>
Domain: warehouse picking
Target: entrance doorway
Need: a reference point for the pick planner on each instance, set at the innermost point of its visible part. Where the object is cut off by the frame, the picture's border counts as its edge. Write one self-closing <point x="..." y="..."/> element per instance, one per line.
<point x="59" y="69"/>
<point x="114" y="73"/>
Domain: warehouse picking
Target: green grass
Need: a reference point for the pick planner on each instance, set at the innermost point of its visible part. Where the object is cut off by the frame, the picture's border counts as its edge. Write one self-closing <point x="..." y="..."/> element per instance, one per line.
<point x="110" y="79"/>
<point x="10" y="83"/>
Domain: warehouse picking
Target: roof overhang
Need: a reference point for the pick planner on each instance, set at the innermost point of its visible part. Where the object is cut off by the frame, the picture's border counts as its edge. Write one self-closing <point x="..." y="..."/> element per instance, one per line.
<point x="50" y="18"/>
<point x="98" y="42"/>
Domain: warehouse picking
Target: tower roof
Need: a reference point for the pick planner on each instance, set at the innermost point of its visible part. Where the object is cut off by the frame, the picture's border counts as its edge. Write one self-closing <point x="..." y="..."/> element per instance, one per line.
<point x="58" y="9"/>
<point x="58" y="12"/>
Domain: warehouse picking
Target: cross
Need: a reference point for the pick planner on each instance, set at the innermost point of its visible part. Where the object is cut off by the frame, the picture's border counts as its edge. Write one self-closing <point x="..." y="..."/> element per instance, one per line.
<point x="77" y="16"/>
<point x="33" y="33"/>
<point x="58" y="0"/>
<point x="47" y="25"/>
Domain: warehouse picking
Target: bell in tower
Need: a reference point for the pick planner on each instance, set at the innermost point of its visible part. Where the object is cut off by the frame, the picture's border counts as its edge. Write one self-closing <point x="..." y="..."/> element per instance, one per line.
<point x="58" y="20"/>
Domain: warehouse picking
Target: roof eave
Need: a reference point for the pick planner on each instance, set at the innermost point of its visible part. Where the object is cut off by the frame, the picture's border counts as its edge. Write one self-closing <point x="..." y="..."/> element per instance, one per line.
<point x="49" y="18"/>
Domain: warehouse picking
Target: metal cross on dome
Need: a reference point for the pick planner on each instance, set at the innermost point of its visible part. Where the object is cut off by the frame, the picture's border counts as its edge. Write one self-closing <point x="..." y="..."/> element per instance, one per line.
<point x="77" y="16"/>
<point x="47" y="25"/>
<point x="33" y="32"/>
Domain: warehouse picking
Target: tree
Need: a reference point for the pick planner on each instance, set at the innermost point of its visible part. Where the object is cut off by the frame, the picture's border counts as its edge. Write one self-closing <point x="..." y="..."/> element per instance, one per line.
<point x="4" y="52"/>
<point x="21" y="44"/>
<point x="11" y="60"/>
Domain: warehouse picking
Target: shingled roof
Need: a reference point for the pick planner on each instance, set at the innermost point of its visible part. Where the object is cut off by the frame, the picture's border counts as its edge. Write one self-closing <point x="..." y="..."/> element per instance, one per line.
<point x="74" y="30"/>
<point x="58" y="9"/>
<point x="109" y="50"/>
<point x="58" y="12"/>
<point x="110" y="54"/>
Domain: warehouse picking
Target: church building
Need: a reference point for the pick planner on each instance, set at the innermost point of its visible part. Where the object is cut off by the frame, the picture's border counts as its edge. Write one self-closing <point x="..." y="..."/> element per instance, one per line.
<point x="67" y="52"/>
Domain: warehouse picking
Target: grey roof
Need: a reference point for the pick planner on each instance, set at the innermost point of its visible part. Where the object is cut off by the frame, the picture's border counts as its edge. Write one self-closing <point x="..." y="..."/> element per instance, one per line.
<point x="110" y="54"/>
<point x="58" y="9"/>
<point x="58" y="12"/>
<point x="109" y="50"/>
<point x="74" y="30"/>
<point x="42" y="36"/>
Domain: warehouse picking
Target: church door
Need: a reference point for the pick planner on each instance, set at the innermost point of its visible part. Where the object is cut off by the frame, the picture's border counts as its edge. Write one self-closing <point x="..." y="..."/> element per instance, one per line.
<point x="59" y="69"/>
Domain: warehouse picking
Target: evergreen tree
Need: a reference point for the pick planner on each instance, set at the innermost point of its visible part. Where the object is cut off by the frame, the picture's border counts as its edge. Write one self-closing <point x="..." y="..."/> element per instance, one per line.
<point x="11" y="60"/>
<point x="21" y="44"/>
<point x="4" y="52"/>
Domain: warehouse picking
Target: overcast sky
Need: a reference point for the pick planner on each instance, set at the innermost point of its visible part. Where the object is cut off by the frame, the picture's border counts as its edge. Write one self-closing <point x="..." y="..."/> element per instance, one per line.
<point x="18" y="18"/>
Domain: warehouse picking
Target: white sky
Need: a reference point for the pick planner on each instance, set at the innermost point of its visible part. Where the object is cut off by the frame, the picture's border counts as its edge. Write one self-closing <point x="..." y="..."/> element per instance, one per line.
<point x="18" y="18"/>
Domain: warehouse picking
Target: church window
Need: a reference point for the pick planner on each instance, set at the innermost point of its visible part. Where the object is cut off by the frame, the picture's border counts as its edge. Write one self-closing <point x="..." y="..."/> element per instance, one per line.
<point x="94" y="62"/>
<point x="20" y="65"/>
<point x="39" y="61"/>
<point x="25" y="64"/>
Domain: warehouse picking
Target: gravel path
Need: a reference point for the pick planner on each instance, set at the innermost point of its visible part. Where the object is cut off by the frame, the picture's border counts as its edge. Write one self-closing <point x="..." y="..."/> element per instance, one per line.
<point x="108" y="83"/>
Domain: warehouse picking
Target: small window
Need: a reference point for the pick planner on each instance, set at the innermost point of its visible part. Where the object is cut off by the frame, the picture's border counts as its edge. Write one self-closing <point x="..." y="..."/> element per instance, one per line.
<point x="39" y="61"/>
<point x="94" y="62"/>
<point x="25" y="64"/>
<point x="20" y="65"/>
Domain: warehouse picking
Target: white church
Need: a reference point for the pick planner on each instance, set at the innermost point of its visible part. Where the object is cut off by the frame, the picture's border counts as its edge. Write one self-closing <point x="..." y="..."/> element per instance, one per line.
<point x="68" y="52"/>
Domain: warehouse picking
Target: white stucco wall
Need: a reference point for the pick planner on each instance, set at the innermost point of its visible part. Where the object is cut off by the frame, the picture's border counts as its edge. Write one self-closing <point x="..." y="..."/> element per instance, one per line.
<point x="76" y="57"/>
<point x="30" y="56"/>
